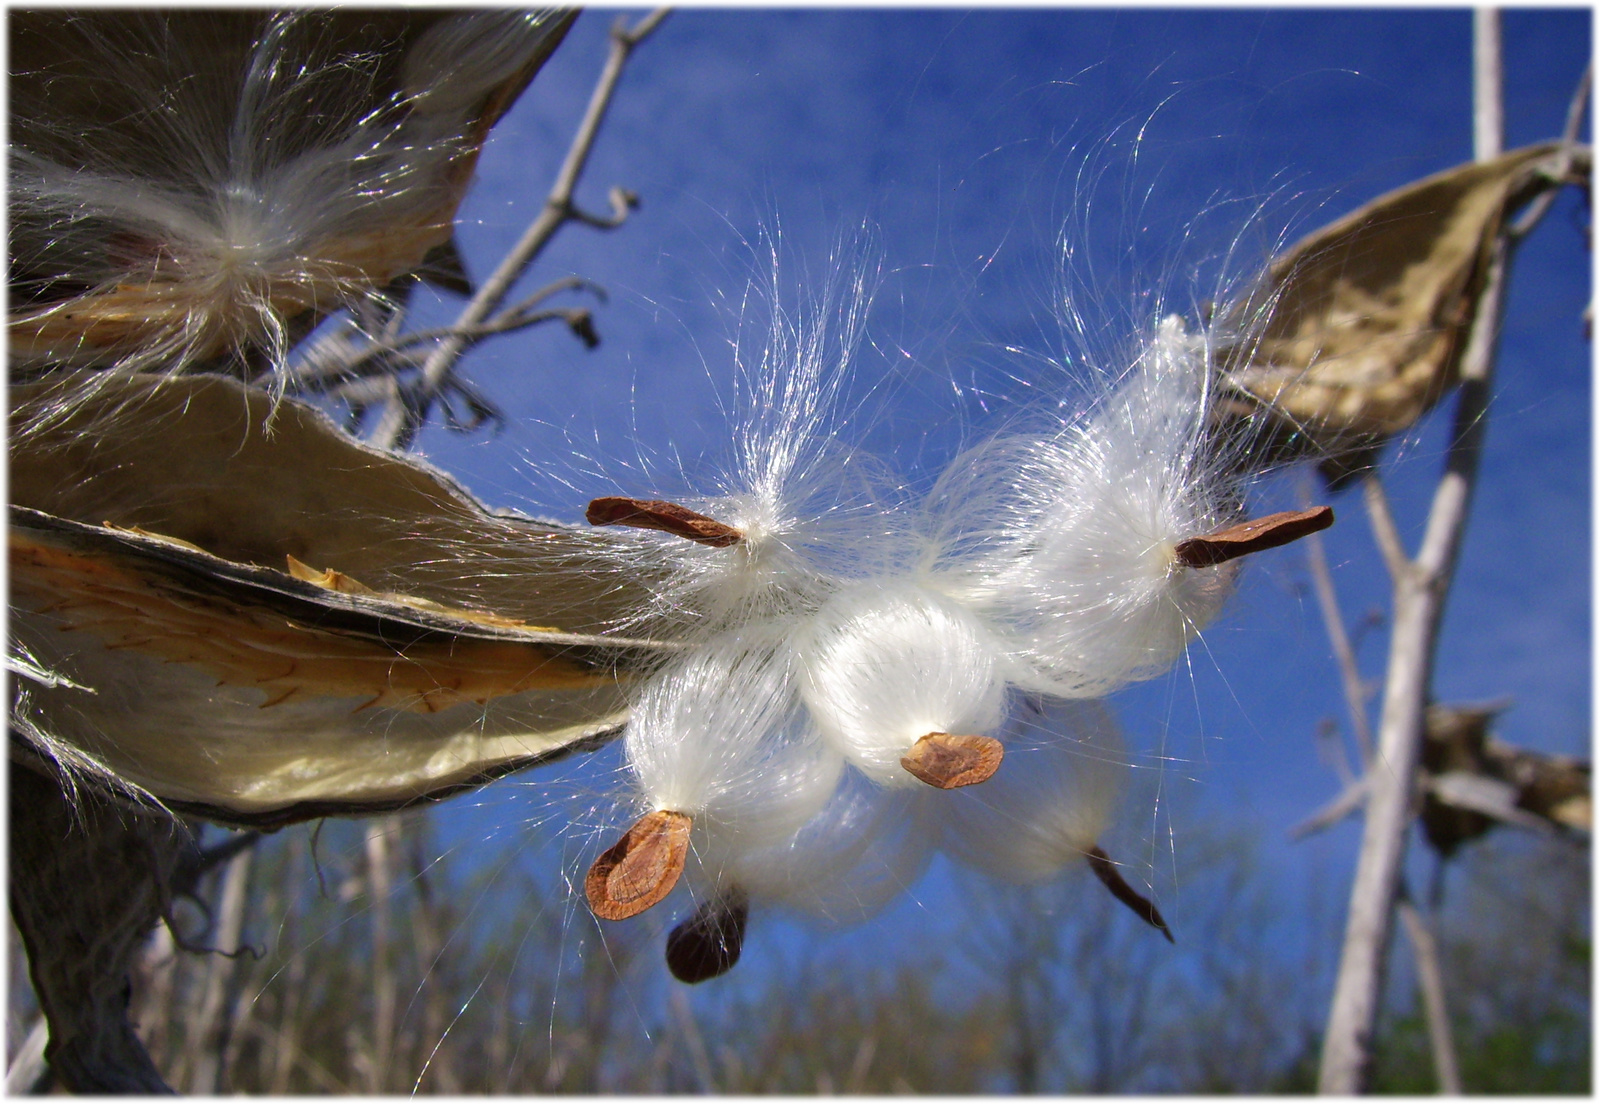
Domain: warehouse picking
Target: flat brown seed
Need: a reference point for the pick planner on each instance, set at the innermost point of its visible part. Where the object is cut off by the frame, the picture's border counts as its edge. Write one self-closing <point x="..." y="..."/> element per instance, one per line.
<point x="1253" y="536"/>
<point x="668" y="517"/>
<point x="641" y="868"/>
<point x="708" y="944"/>
<point x="947" y="761"/>
<point x="1111" y="878"/>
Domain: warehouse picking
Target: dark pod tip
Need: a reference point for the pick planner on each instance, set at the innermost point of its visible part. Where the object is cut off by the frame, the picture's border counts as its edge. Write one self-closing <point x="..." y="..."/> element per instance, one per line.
<point x="708" y="944"/>
<point x="1106" y="870"/>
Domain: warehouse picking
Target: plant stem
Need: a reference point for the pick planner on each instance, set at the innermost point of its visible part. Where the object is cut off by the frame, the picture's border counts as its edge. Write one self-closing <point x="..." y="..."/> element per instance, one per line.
<point x="400" y="419"/>
<point x="1420" y="589"/>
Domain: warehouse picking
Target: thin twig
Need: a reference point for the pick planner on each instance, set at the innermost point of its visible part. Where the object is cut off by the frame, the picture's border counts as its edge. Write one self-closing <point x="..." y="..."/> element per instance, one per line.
<point x="1430" y="979"/>
<point x="1488" y="103"/>
<point x="383" y="834"/>
<point x="335" y="358"/>
<point x="1347" y="802"/>
<point x="1355" y="695"/>
<point x="1385" y="533"/>
<point x="1569" y="138"/>
<point x="700" y="1058"/>
<point x="402" y="416"/>
<point x="1329" y="736"/>
<point x="209" y="1031"/>
<point x="1419" y="596"/>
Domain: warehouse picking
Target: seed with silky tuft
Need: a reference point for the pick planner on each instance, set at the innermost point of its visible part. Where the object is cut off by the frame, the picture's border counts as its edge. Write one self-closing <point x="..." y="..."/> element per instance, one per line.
<point x="667" y="517"/>
<point x="1257" y="535"/>
<point x="947" y="761"/>
<point x="641" y="868"/>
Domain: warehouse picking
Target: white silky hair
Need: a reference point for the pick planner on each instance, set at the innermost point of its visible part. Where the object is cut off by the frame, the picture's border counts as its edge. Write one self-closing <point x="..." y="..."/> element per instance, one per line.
<point x="853" y="619"/>
<point x="886" y="662"/>
<point x="1065" y="542"/>
<point x="719" y="735"/>
<point x="258" y="194"/>
<point x="1065" y="773"/>
<point x="814" y="511"/>
<point x="861" y="850"/>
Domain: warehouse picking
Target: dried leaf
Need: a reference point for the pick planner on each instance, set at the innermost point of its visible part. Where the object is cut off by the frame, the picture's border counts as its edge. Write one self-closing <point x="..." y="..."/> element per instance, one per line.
<point x="1359" y="329"/>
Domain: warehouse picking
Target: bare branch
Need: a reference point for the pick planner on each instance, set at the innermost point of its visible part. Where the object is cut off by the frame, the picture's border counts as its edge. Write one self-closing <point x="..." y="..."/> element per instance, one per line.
<point x="402" y="416"/>
<point x="1569" y="138"/>
<point x="1488" y="105"/>
<point x="1492" y="797"/>
<point x="1430" y="979"/>
<point x="336" y="358"/>
<point x="1419" y="596"/>
<point x="1348" y="801"/>
<point x="1355" y="697"/>
<point x="1384" y="531"/>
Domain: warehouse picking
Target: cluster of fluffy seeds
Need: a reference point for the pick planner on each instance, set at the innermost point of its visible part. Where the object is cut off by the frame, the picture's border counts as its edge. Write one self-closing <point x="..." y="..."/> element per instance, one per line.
<point x="866" y="677"/>
<point x="844" y="685"/>
<point x="182" y="189"/>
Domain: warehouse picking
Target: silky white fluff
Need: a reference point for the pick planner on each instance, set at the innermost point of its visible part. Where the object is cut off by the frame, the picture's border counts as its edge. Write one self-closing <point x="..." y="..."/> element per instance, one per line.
<point x="293" y="183"/>
<point x="1049" y="804"/>
<point x="861" y="850"/>
<point x="885" y="663"/>
<point x="1043" y="562"/>
<point x="719" y="735"/>
<point x="1065" y="543"/>
<point x="814" y="511"/>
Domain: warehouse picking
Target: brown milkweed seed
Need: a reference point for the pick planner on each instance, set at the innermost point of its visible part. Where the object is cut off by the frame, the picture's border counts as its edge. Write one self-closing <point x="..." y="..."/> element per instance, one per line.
<point x="641" y="868"/>
<point x="947" y="761"/>
<point x="1253" y="536"/>
<point x="668" y="517"/>
<point x="708" y="944"/>
<point x="1111" y="877"/>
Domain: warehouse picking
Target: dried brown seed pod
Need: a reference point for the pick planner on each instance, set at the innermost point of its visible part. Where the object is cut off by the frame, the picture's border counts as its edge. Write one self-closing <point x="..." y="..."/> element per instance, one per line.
<point x="1359" y="329"/>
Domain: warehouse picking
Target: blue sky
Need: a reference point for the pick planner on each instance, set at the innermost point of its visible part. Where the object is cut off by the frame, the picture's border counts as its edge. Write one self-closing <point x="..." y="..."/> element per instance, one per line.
<point x="966" y="142"/>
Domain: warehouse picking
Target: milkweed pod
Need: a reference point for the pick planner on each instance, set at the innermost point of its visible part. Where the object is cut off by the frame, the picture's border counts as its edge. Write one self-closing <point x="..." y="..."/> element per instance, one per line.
<point x="186" y="185"/>
<point x="425" y="645"/>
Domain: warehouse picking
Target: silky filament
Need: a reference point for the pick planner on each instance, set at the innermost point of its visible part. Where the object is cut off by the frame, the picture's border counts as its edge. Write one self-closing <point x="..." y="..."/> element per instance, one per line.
<point x="863" y="688"/>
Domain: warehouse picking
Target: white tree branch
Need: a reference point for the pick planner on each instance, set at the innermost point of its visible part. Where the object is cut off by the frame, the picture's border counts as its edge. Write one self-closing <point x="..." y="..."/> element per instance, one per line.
<point x="1419" y="596"/>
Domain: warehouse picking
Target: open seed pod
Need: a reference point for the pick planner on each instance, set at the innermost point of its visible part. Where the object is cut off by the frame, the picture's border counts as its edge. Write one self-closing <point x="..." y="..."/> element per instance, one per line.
<point x="1359" y="329"/>
<point x="192" y="186"/>
<point x="231" y="605"/>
